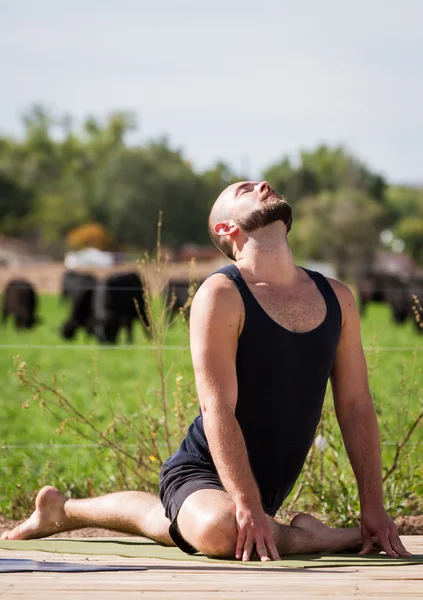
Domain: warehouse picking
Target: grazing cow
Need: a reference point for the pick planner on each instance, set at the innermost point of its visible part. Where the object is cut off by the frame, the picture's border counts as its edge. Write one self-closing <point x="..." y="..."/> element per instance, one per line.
<point x="387" y="280"/>
<point x="74" y="282"/>
<point x="371" y="288"/>
<point x="399" y="298"/>
<point x="82" y="314"/>
<point x="392" y="289"/>
<point x="118" y="300"/>
<point x="179" y="294"/>
<point x="20" y="301"/>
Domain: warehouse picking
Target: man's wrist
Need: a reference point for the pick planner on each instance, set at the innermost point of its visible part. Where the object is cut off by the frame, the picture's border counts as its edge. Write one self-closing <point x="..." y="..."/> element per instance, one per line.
<point x="372" y="501"/>
<point x="249" y="501"/>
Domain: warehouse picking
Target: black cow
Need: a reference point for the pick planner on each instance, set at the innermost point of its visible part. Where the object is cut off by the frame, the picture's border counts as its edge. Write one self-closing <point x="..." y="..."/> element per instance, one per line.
<point x="82" y="314"/>
<point x="388" y="280"/>
<point x="20" y="301"/>
<point x="393" y="280"/>
<point x="118" y="300"/>
<point x="79" y="288"/>
<point x="399" y="298"/>
<point x="371" y="288"/>
<point x="75" y="282"/>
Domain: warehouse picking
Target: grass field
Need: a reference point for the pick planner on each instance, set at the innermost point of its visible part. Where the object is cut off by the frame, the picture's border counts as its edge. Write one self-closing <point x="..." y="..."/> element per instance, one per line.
<point x="105" y="381"/>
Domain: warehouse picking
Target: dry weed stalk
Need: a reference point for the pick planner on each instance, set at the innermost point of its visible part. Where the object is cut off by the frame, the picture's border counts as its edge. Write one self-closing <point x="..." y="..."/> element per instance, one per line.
<point x="328" y="476"/>
<point x="156" y="434"/>
<point x="417" y="311"/>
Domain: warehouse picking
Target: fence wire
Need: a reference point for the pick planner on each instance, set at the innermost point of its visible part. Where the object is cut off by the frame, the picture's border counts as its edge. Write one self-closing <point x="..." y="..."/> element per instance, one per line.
<point x="147" y="347"/>
<point x="39" y="446"/>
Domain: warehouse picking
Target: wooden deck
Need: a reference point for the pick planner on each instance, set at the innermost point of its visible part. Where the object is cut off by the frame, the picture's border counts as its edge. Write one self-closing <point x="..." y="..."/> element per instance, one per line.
<point x="177" y="580"/>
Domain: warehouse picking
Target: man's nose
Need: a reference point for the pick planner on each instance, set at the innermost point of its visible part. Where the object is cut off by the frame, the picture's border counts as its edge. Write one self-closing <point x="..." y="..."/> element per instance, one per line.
<point x="263" y="186"/>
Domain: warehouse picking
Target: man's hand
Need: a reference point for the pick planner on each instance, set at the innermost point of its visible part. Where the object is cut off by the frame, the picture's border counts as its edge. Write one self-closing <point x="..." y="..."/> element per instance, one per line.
<point x="376" y="521"/>
<point x="254" y="533"/>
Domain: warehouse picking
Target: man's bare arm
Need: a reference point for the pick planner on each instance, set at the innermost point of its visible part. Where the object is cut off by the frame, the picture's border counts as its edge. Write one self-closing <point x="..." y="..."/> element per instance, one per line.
<point x="358" y="422"/>
<point x="216" y="316"/>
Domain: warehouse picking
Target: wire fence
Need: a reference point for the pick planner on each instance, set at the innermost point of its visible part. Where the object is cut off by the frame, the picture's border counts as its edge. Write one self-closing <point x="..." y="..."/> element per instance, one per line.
<point x="40" y="446"/>
<point x="417" y="348"/>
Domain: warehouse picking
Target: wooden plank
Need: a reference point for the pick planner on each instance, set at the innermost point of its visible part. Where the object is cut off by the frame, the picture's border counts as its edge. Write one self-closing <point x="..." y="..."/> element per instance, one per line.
<point x="195" y="580"/>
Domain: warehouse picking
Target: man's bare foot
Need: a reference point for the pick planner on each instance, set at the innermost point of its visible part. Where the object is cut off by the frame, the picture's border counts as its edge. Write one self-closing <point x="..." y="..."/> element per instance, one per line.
<point x="334" y="540"/>
<point x="49" y="517"/>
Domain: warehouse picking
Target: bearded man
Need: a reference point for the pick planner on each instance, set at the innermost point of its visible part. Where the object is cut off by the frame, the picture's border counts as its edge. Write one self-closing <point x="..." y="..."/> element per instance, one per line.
<point x="266" y="336"/>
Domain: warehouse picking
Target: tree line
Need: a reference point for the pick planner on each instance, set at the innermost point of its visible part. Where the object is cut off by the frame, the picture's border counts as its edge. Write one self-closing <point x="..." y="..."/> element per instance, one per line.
<point x="59" y="177"/>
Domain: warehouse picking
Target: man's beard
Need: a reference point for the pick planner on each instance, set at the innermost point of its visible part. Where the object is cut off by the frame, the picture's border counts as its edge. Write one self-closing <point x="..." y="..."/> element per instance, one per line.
<point x="270" y="212"/>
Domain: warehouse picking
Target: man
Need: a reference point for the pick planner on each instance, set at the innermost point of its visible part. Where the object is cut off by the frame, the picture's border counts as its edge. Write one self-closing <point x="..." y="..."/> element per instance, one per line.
<point x="266" y="336"/>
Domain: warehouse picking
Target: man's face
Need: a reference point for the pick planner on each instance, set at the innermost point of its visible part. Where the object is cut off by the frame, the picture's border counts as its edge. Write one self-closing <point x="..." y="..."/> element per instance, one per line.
<point x="254" y="204"/>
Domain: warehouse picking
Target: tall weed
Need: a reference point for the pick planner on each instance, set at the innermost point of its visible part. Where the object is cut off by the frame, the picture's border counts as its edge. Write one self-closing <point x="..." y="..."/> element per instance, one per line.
<point x="132" y="447"/>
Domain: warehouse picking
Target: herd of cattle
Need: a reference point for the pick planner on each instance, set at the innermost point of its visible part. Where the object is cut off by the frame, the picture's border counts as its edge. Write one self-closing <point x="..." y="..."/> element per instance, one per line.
<point x="103" y="307"/>
<point x="100" y="307"/>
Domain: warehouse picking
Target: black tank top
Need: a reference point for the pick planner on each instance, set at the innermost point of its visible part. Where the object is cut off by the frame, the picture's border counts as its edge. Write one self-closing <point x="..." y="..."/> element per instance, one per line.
<point x="282" y="379"/>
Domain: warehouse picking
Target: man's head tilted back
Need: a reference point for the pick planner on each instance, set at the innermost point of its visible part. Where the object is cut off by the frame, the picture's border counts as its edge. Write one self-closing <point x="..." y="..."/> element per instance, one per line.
<point x="245" y="206"/>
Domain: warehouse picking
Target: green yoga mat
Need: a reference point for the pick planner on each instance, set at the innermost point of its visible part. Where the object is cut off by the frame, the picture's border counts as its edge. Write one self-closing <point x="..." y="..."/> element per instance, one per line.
<point x="141" y="548"/>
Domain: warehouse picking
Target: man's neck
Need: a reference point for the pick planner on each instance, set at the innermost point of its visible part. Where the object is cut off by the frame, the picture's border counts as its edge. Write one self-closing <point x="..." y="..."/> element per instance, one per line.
<point x="266" y="256"/>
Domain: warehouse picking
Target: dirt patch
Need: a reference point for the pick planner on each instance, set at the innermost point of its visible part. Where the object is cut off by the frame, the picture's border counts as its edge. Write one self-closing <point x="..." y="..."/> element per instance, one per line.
<point x="408" y="525"/>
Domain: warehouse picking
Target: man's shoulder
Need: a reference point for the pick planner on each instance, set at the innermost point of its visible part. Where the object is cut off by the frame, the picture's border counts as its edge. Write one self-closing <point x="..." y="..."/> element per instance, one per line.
<point x="217" y="291"/>
<point x="345" y="297"/>
<point x="217" y="285"/>
<point x="341" y="289"/>
<point x="217" y="307"/>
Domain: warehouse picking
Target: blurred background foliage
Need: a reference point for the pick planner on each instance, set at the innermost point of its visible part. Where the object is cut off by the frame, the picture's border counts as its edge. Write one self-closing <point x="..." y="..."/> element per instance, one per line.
<point x="61" y="185"/>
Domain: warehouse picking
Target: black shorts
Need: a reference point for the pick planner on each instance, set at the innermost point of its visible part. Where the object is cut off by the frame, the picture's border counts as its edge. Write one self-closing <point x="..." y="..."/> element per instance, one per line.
<point x="176" y="484"/>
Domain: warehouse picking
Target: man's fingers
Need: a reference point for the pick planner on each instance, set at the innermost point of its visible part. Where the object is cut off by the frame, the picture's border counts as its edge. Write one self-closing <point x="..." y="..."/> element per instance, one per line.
<point x="266" y="549"/>
<point x="248" y="547"/>
<point x="398" y="546"/>
<point x="273" y="551"/>
<point x="367" y="544"/>
<point x="240" y="544"/>
<point x="386" y="544"/>
<point x="367" y="548"/>
<point x="262" y="552"/>
<point x="260" y="547"/>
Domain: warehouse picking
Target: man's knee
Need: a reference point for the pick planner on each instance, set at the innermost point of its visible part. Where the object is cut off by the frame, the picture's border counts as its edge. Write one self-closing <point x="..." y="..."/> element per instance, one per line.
<point x="216" y="534"/>
<point x="206" y="520"/>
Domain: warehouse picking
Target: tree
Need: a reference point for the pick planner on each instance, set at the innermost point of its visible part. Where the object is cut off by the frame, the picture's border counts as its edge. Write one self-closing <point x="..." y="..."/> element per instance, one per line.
<point x="324" y="169"/>
<point x="15" y="204"/>
<point x="341" y="227"/>
<point x="91" y="235"/>
<point x="60" y="177"/>
<point x="135" y="184"/>
<point x="294" y="183"/>
<point x="403" y="201"/>
<point x="410" y="230"/>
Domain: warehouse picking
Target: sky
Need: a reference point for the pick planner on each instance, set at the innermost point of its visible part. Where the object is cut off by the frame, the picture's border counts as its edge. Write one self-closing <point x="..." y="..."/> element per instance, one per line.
<point x="238" y="81"/>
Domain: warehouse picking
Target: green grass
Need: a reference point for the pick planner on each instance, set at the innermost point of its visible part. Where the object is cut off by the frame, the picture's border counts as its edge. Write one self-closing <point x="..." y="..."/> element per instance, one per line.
<point x="103" y="379"/>
<point x="107" y="380"/>
<point x="395" y="360"/>
<point x="118" y="372"/>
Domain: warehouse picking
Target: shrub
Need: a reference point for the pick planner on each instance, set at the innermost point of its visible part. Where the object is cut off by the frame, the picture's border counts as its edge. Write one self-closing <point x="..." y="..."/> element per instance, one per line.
<point x="91" y="235"/>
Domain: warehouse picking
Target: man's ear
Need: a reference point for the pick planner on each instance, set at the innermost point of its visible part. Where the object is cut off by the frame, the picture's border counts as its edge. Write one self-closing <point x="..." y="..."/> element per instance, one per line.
<point x="226" y="228"/>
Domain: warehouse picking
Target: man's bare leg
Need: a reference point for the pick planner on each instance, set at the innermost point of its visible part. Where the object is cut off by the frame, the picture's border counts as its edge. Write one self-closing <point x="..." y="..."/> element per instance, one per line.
<point x="207" y="521"/>
<point x="138" y="513"/>
<point x="306" y="535"/>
